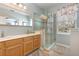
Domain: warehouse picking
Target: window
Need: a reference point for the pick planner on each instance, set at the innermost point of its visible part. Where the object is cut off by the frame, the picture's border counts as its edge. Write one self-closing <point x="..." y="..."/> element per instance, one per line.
<point x="66" y="18"/>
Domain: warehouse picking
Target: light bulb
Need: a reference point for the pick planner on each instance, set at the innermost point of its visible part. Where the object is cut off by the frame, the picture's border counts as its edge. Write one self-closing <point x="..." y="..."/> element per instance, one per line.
<point x="25" y="7"/>
<point x="20" y="5"/>
<point x="14" y="3"/>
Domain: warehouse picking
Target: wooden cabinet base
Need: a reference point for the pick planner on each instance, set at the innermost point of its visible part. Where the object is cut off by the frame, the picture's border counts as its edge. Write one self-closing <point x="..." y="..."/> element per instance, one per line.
<point x="20" y="47"/>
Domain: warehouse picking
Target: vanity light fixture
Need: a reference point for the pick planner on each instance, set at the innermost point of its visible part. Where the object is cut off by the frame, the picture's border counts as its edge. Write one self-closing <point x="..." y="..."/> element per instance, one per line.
<point x="15" y="3"/>
<point x="20" y="5"/>
<point x="25" y="7"/>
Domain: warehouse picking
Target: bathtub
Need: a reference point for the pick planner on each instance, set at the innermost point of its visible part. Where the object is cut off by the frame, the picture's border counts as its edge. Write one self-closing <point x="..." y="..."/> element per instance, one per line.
<point x="63" y="38"/>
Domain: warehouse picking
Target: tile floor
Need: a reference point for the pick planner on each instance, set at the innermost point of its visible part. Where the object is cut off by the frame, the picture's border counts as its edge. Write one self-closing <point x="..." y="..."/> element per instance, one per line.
<point x="56" y="51"/>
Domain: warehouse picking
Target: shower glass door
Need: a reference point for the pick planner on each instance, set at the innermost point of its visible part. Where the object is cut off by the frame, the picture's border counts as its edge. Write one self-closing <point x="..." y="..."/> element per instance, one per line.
<point x="50" y="32"/>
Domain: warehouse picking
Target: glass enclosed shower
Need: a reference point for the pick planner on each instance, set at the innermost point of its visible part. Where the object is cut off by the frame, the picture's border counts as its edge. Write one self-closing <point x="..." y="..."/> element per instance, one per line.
<point x="48" y="31"/>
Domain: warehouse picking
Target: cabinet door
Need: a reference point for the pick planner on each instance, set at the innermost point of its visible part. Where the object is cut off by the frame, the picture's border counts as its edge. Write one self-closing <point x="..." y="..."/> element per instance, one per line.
<point x="2" y="49"/>
<point x="37" y="41"/>
<point x="28" y="47"/>
<point x="16" y="50"/>
<point x="2" y="52"/>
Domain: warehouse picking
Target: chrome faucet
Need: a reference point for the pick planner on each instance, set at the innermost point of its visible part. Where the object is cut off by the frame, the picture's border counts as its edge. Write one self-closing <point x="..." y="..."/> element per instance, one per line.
<point x="2" y="34"/>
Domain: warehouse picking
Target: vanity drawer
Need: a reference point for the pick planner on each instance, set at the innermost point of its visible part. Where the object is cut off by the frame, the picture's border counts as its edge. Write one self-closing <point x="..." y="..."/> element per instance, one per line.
<point x="16" y="50"/>
<point x="13" y="42"/>
<point x="36" y="43"/>
<point x="37" y="36"/>
<point x="28" y="38"/>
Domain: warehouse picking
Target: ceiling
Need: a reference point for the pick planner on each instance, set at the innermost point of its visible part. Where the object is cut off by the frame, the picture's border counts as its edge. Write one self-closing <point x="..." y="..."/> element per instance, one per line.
<point x="48" y="5"/>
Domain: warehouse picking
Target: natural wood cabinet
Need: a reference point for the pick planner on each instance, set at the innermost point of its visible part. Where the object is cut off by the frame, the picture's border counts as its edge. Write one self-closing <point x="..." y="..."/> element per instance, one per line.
<point x="2" y="49"/>
<point x="36" y="41"/>
<point x="14" y="47"/>
<point x="19" y="46"/>
<point x="28" y="45"/>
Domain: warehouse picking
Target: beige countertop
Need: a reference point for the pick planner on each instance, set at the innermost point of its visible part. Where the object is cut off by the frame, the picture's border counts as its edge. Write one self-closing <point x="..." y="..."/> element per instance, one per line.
<point x="18" y="36"/>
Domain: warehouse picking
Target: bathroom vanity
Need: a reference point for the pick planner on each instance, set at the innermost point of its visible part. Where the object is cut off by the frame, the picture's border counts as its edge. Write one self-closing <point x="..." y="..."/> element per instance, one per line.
<point x="20" y="45"/>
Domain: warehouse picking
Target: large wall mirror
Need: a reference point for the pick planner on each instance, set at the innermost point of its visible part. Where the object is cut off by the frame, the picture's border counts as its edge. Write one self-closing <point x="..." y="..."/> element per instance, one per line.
<point x="11" y="17"/>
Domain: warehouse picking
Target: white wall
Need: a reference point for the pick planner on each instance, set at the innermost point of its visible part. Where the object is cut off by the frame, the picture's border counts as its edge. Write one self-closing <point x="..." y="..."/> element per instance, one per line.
<point x="74" y="49"/>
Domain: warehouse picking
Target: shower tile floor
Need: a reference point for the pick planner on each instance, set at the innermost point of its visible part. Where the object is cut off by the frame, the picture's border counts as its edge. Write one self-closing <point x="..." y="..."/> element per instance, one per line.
<point x="56" y="51"/>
